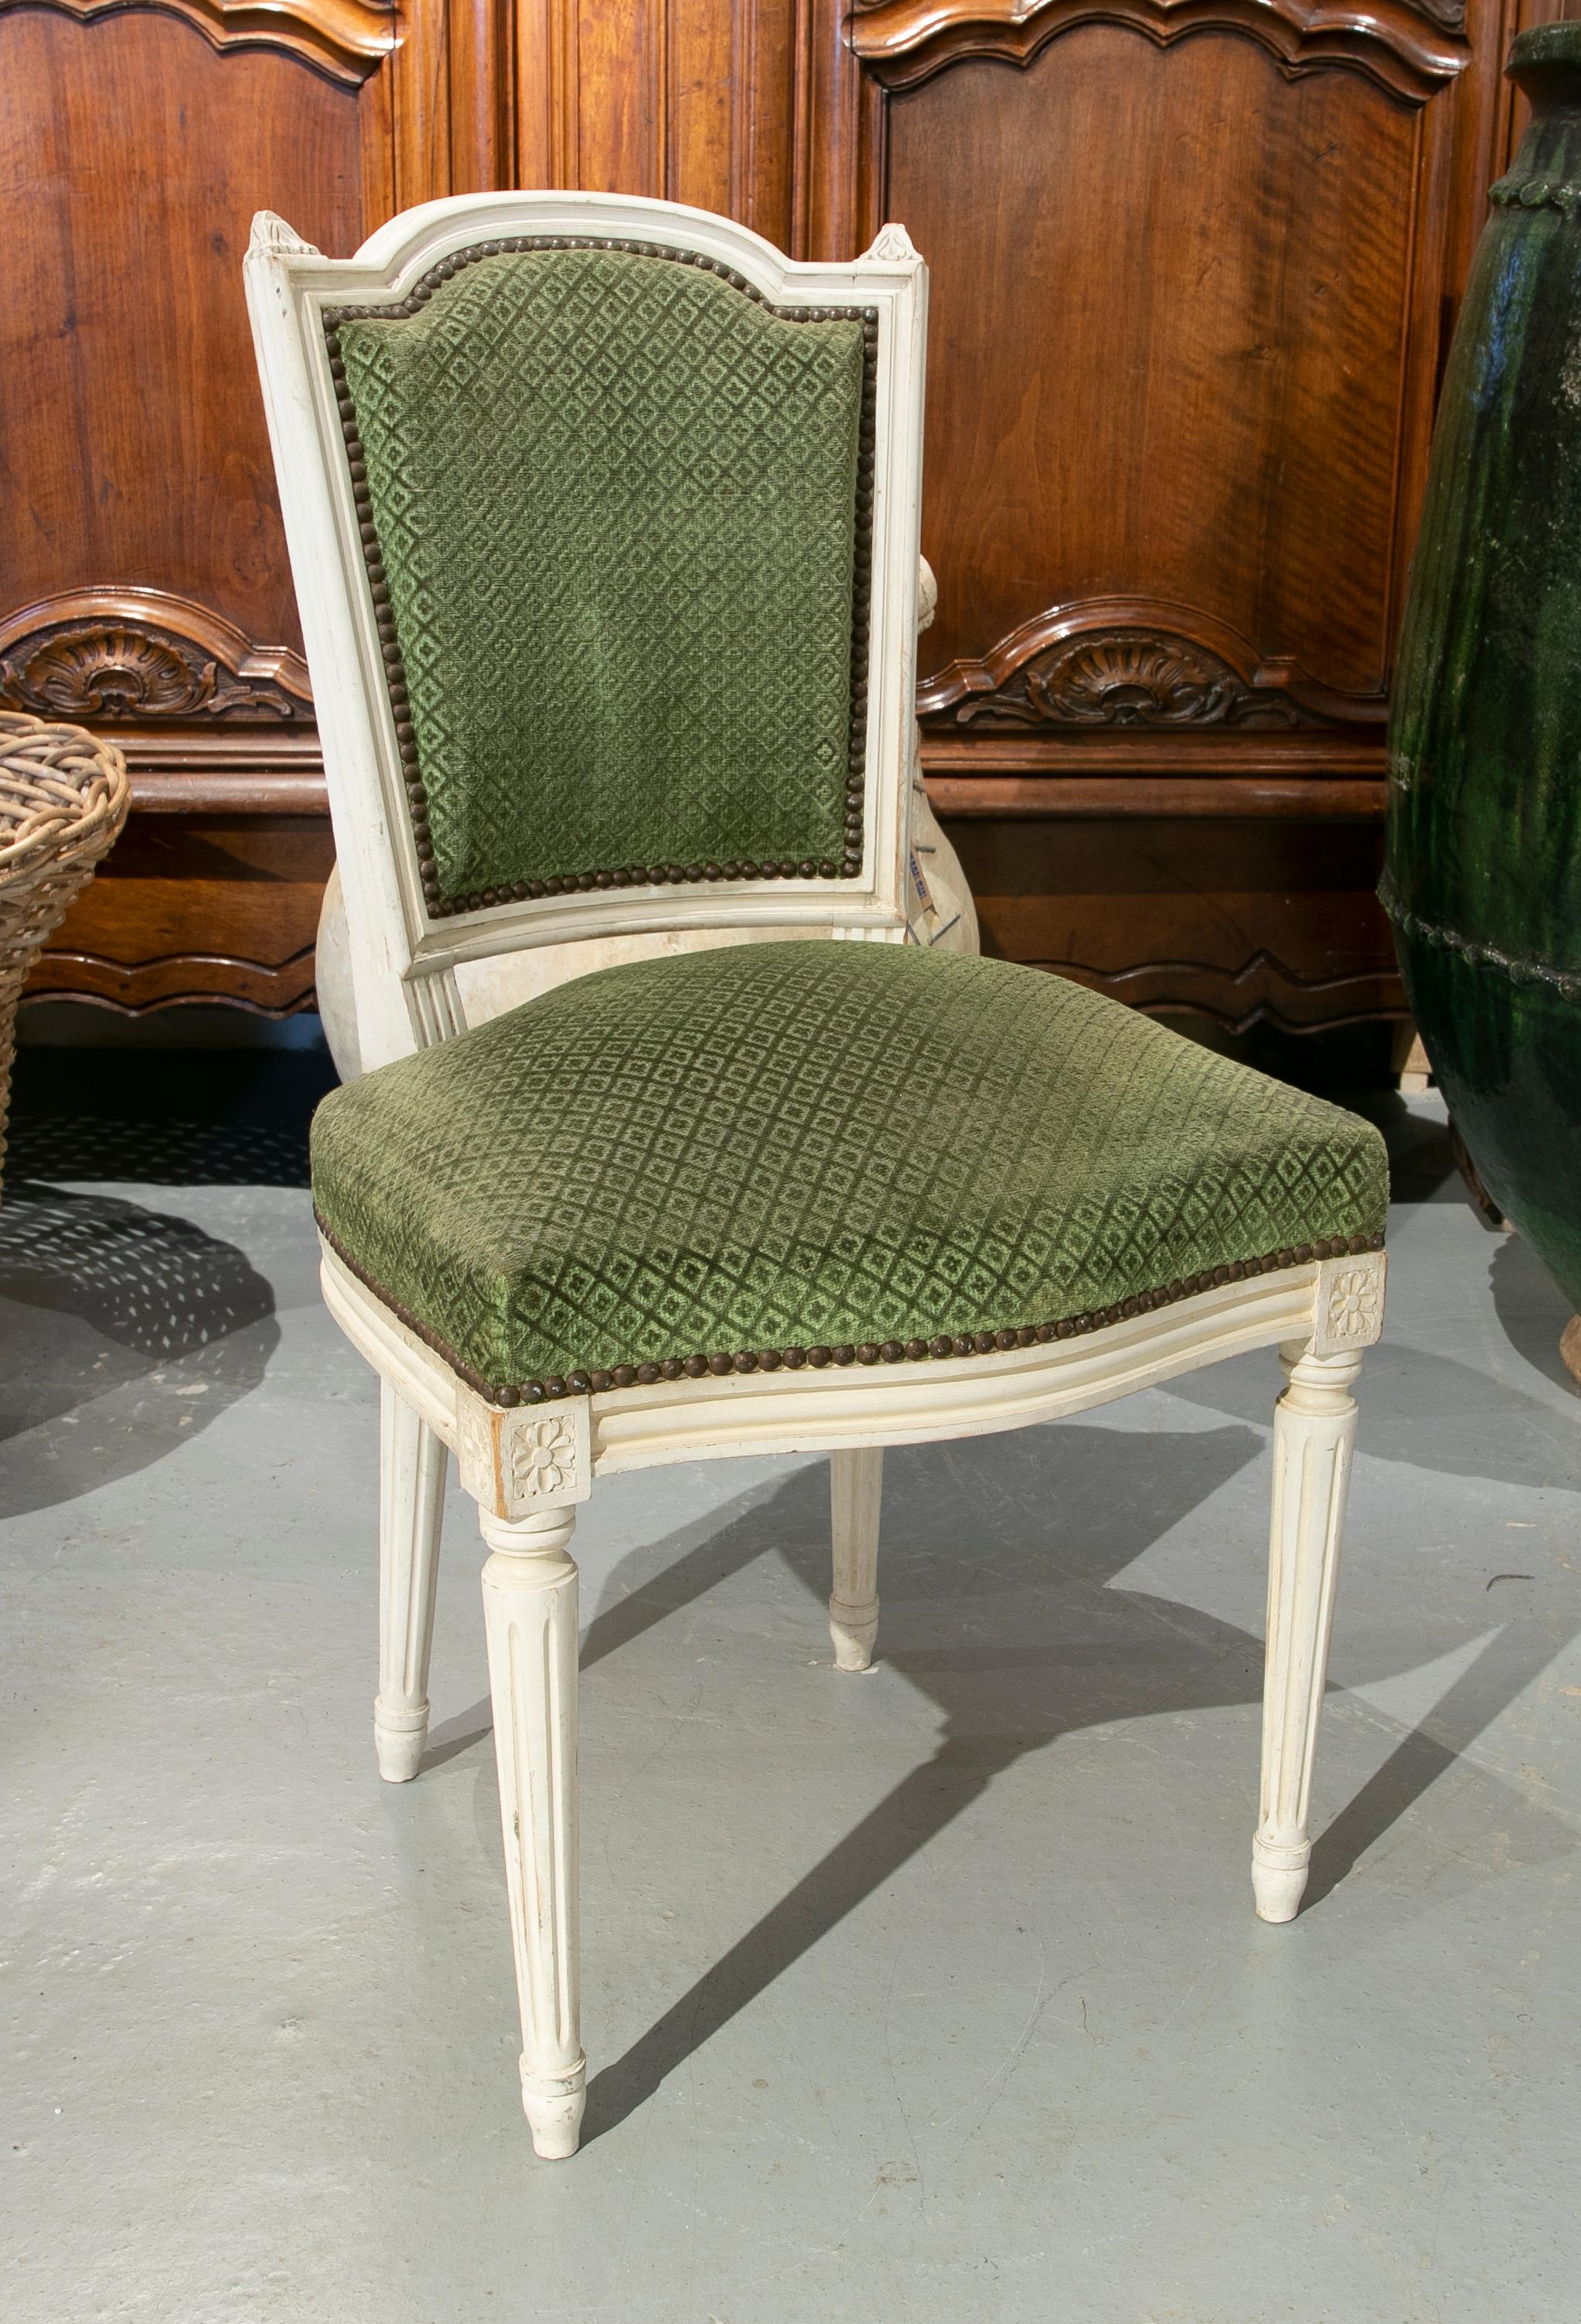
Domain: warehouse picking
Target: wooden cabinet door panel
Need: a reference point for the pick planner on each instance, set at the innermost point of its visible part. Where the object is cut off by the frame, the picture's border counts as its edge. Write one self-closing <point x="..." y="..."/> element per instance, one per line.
<point x="1170" y="314"/>
<point x="132" y="155"/>
<point x="1193" y="264"/>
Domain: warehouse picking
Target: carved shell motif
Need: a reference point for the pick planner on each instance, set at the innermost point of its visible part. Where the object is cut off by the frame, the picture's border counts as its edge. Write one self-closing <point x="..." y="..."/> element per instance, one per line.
<point x="1128" y="678"/>
<point x="90" y="669"/>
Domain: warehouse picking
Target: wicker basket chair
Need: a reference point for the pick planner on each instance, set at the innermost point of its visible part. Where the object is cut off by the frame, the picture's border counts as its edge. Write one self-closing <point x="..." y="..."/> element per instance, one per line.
<point x="63" y="800"/>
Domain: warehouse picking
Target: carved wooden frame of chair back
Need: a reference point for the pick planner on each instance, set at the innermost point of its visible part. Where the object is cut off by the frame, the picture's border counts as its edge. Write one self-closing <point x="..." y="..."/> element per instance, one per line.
<point x="419" y="972"/>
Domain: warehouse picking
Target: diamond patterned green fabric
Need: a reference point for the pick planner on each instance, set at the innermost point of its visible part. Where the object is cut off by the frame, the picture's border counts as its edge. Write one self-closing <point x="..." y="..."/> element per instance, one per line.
<point x="615" y="505"/>
<point x="814" y="1142"/>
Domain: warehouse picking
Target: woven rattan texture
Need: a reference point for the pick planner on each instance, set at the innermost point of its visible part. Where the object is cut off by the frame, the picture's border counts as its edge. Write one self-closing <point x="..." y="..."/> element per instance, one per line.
<point x="63" y="800"/>
<point x="775" y="1149"/>
<point x="617" y="513"/>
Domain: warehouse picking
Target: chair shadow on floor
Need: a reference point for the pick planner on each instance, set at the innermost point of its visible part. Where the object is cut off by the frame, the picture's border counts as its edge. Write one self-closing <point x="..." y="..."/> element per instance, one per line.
<point x="1067" y="1650"/>
<point x="144" y="1310"/>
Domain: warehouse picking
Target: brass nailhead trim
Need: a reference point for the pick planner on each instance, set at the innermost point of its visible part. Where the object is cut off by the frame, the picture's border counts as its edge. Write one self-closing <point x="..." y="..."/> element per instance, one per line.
<point x="567" y="883"/>
<point x="890" y="1351"/>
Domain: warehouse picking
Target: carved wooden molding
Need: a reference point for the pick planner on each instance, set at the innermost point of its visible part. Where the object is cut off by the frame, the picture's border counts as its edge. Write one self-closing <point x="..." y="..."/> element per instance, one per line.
<point x="1139" y="662"/>
<point x="176" y="979"/>
<point x="1405" y="49"/>
<point x="347" y="39"/>
<point x="146" y="656"/>
<point x="272" y="231"/>
<point x="1127" y="677"/>
<point x="1262" y="990"/>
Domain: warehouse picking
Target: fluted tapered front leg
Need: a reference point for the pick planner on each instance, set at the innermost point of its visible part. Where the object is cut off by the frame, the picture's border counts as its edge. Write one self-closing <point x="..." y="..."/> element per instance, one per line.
<point x="530" y="1609"/>
<point x="1314" y="1427"/>
<point x="411" y="1500"/>
<point x="856" y="1488"/>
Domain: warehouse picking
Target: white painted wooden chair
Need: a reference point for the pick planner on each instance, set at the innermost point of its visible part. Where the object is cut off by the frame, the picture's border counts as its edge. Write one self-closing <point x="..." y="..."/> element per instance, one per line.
<point x="1139" y="1206"/>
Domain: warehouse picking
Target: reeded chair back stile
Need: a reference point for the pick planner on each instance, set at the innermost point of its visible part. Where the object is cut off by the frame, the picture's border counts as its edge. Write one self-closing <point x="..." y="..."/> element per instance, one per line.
<point x="603" y="519"/>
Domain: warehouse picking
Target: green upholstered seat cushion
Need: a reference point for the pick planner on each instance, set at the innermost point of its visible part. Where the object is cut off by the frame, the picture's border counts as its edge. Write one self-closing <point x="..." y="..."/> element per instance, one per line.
<point x="615" y="507"/>
<point x="814" y="1143"/>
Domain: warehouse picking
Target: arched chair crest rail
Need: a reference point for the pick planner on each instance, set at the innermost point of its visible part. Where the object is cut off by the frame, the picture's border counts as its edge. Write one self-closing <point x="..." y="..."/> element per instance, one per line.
<point x="688" y="1122"/>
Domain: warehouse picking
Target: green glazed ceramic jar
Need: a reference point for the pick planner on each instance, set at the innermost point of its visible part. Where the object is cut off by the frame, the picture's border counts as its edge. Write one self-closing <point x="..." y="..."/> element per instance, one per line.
<point x="1482" y="870"/>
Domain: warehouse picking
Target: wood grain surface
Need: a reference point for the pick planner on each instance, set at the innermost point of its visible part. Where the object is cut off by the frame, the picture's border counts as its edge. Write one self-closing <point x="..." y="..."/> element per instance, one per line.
<point x="1193" y="269"/>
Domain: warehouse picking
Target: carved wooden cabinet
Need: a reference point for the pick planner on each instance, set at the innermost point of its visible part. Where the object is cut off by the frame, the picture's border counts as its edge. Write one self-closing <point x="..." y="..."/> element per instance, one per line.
<point x="1194" y="265"/>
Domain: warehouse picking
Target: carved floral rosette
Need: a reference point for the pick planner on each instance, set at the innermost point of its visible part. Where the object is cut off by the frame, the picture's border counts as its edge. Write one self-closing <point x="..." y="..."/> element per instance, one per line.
<point x="1350" y="1304"/>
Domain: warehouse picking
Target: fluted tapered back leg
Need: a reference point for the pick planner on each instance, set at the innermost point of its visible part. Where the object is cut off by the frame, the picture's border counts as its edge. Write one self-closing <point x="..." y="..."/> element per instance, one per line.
<point x="855" y="1487"/>
<point x="1314" y="1428"/>
<point x="529" y="1611"/>
<point x="412" y="1462"/>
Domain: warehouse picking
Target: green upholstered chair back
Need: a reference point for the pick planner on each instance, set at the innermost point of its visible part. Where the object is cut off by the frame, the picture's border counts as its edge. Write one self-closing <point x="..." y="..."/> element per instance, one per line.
<point x="616" y="507"/>
<point x="604" y="522"/>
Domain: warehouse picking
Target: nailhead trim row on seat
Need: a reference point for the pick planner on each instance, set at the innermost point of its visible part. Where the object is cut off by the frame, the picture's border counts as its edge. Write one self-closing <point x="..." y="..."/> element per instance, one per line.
<point x="628" y="875"/>
<point x="868" y="1351"/>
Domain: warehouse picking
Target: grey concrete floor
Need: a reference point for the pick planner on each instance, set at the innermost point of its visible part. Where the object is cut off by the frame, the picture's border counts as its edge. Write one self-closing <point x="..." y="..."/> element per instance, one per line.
<point x="936" y="1994"/>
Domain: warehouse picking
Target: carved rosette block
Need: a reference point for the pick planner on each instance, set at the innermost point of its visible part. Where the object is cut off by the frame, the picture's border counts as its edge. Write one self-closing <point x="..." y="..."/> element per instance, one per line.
<point x="1348" y="1312"/>
<point x="519" y="1461"/>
